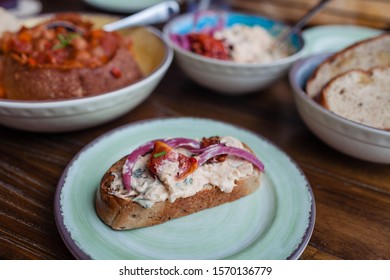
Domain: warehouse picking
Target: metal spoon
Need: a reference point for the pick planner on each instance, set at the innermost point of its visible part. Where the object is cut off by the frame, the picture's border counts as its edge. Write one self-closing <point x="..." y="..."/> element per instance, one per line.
<point x="281" y="39"/>
<point x="156" y="14"/>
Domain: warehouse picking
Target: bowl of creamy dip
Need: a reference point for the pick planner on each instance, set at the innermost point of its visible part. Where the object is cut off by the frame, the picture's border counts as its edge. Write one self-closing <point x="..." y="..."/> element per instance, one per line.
<point x="231" y="53"/>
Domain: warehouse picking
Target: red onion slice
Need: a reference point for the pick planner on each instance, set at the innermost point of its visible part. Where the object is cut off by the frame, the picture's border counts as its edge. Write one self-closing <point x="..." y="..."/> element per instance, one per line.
<point x="181" y="40"/>
<point x="204" y="154"/>
<point x="197" y="151"/>
<point x="221" y="150"/>
<point x="180" y="142"/>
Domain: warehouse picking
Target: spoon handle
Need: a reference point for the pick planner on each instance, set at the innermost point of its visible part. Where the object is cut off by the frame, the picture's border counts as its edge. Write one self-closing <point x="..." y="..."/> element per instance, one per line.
<point x="155" y="14"/>
<point x="298" y="26"/>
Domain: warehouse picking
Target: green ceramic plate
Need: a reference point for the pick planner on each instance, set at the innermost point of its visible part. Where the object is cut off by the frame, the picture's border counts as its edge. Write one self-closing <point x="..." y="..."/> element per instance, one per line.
<point x="332" y="38"/>
<point x="275" y="222"/>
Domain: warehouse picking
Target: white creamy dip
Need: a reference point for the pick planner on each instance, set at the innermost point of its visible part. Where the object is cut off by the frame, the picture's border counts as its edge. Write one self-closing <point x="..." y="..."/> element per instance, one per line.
<point x="148" y="190"/>
<point x="249" y="44"/>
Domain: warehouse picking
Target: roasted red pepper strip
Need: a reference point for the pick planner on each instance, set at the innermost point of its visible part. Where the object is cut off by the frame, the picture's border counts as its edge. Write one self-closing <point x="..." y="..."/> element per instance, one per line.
<point x="206" y="142"/>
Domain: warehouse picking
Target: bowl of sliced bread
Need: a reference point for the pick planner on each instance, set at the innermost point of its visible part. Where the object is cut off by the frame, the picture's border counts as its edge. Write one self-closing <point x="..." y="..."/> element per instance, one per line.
<point x="344" y="98"/>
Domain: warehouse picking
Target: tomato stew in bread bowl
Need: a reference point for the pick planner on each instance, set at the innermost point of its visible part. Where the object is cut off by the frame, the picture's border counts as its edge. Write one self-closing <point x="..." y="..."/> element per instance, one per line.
<point x="64" y="57"/>
<point x="150" y="56"/>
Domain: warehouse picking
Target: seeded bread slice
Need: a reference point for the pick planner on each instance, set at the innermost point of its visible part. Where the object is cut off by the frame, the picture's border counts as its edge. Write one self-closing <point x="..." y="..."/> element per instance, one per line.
<point x="120" y="213"/>
<point x="361" y="96"/>
<point x="363" y="55"/>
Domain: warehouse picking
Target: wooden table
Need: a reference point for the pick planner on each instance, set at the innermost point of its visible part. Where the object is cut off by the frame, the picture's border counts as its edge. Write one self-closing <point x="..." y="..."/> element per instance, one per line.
<point x="352" y="197"/>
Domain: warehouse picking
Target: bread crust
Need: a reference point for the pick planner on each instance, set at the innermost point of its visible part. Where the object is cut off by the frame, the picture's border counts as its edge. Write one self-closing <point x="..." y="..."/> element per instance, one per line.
<point x="310" y="85"/>
<point x="24" y="82"/>
<point x="120" y="213"/>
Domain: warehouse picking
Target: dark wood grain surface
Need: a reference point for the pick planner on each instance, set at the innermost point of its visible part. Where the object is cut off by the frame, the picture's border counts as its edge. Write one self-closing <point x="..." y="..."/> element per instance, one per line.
<point x="352" y="196"/>
<point x="368" y="13"/>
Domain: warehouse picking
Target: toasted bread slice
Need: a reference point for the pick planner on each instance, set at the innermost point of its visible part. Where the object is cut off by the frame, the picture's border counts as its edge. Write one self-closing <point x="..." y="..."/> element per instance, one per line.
<point x="123" y="213"/>
<point x="363" y="55"/>
<point x="361" y="96"/>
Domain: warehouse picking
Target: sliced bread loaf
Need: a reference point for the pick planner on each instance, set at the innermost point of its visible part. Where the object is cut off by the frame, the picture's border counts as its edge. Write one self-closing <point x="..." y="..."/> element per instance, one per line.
<point x="362" y="55"/>
<point x="361" y="96"/>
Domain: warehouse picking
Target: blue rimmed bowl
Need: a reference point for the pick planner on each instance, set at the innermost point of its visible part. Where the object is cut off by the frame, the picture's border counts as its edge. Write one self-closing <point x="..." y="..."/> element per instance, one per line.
<point x="223" y="76"/>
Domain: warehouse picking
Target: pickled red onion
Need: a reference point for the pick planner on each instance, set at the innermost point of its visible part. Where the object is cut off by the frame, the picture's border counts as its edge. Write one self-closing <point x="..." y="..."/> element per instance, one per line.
<point x="217" y="150"/>
<point x="203" y="154"/>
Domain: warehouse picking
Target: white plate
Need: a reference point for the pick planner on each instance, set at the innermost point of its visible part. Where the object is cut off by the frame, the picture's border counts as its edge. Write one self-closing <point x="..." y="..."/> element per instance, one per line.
<point x="275" y="222"/>
<point x="332" y="38"/>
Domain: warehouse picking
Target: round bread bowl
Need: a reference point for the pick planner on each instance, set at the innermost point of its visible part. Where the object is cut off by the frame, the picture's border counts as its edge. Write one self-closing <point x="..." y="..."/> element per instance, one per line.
<point x="153" y="57"/>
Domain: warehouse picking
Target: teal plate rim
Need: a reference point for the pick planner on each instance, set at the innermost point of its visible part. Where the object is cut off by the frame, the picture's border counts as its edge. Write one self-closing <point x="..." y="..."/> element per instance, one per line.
<point x="74" y="246"/>
<point x="330" y="38"/>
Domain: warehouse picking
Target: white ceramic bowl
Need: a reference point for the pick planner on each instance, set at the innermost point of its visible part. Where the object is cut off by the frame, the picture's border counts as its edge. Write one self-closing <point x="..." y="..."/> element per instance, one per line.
<point x="354" y="139"/>
<point x="153" y="56"/>
<point x="228" y="77"/>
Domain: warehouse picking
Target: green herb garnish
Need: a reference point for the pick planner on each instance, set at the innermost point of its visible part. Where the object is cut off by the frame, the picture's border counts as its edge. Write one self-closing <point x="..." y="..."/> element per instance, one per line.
<point x="65" y="40"/>
<point x="160" y="154"/>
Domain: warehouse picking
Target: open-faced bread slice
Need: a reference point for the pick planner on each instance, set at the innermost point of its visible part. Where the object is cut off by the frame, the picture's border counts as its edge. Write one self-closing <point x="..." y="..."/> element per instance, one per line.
<point x="122" y="213"/>
<point x="154" y="199"/>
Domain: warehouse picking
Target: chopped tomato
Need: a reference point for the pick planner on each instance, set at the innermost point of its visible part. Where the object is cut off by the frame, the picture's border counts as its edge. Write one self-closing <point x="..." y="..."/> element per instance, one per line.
<point x="163" y="152"/>
<point x="206" y="45"/>
<point x="24" y="35"/>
